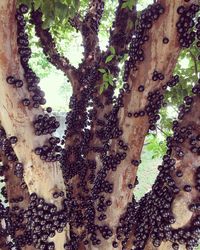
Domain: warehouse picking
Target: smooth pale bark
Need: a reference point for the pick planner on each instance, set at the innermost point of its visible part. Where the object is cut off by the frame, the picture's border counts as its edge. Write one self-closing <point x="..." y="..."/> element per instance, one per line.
<point x="41" y="177"/>
<point x="188" y="165"/>
<point x="160" y="57"/>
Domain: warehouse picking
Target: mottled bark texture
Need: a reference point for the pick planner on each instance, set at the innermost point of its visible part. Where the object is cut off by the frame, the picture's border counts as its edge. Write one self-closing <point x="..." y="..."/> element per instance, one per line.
<point x="40" y="177"/>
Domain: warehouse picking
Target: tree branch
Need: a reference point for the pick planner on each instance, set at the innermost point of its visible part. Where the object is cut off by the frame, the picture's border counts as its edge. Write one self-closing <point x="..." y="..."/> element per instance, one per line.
<point x="161" y="130"/>
<point x="76" y="22"/>
<point x="49" y="47"/>
<point x="135" y="129"/>
<point x="123" y="27"/>
<point x="195" y="63"/>
<point x="18" y="120"/>
<point x="89" y="30"/>
<point x="124" y="23"/>
<point x="179" y="184"/>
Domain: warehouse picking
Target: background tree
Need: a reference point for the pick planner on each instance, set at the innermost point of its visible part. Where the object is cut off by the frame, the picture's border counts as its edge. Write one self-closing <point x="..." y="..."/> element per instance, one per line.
<point x="77" y="193"/>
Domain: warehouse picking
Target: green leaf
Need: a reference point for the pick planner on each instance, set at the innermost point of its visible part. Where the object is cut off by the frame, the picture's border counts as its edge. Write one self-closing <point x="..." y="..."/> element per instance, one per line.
<point x="120" y="83"/>
<point x="61" y="11"/>
<point x="112" y="50"/>
<point x="124" y="5"/>
<point x="131" y="4"/>
<point x="110" y="78"/>
<point x="102" y="70"/>
<point x="27" y="2"/>
<point x="37" y="4"/>
<point x="76" y="4"/>
<point x="111" y="83"/>
<point x="101" y="89"/>
<point x="106" y="84"/>
<point x="109" y="58"/>
<point x="47" y="23"/>
<point x="125" y="57"/>
<point x="105" y="77"/>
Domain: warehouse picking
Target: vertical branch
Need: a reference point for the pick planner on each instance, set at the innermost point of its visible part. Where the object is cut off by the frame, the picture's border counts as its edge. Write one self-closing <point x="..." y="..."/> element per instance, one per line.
<point x="123" y="27"/>
<point x="175" y="194"/>
<point x="89" y="30"/>
<point x="120" y="37"/>
<point x="195" y="63"/>
<point x="18" y="119"/>
<point x="133" y="123"/>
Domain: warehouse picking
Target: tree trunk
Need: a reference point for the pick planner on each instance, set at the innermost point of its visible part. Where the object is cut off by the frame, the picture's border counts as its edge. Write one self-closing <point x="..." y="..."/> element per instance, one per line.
<point x="135" y="129"/>
<point x="41" y="177"/>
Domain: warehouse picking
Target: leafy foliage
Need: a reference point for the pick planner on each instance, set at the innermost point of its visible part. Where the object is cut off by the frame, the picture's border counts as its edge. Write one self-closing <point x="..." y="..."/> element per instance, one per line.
<point x="107" y="80"/>
<point x="54" y="10"/>
<point x="111" y="56"/>
<point x="106" y="20"/>
<point x="129" y="4"/>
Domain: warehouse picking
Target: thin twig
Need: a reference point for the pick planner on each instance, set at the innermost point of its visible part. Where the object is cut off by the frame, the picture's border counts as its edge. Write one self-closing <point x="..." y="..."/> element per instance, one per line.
<point x="195" y="63"/>
<point x="163" y="132"/>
